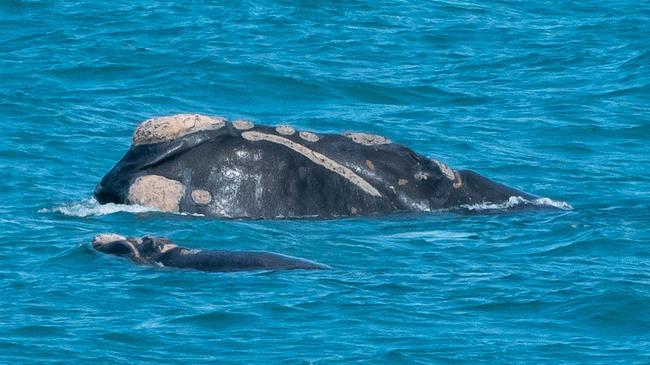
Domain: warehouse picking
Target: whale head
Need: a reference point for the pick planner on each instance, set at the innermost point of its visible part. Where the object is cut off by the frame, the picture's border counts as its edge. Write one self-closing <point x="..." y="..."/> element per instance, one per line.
<point x="143" y="250"/>
<point x="154" y="142"/>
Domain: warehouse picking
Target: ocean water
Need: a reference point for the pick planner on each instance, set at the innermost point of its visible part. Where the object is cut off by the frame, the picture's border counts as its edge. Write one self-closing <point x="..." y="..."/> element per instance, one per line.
<point x="551" y="97"/>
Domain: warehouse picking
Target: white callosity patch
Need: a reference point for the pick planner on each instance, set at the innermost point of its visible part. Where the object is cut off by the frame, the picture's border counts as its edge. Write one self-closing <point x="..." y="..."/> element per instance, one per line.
<point x="200" y="196"/>
<point x="367" y="139"/>
<point x="103" y="238"/>
<point x="421" y="175"/>
<point x="156" y="191"/>
<point x="458" y="181"/>
<point x="308" y="136"/>
<point x="167" y="247"/>
<point x="134" y="250"/>
<point x="317" y="158"/>
<point x="285" y="130"/>
<point x="106" y="238"/>
<point x="242" y="125"/>
<point x="446" y="170"/>
<point x="165" y="129"/>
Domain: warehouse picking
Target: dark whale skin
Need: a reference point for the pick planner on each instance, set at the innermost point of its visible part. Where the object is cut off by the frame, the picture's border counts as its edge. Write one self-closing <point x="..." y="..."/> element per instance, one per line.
<point x="227" y="261"/>
<point x="262" y="179"/>
<point x="158" y="251"/>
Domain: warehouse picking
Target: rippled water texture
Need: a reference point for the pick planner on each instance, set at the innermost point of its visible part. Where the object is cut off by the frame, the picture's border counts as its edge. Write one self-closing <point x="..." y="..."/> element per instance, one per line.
<point x="552" y="98"/>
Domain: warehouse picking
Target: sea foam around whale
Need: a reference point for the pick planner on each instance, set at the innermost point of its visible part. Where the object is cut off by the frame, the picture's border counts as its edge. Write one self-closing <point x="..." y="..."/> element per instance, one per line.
<point x="90" y="208"/>
<point x="518" y="202"/>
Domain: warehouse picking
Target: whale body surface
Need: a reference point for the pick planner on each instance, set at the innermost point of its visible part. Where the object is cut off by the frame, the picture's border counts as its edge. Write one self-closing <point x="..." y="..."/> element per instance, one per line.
<point x="160" y="251"/>
<point x="206" y="165"/>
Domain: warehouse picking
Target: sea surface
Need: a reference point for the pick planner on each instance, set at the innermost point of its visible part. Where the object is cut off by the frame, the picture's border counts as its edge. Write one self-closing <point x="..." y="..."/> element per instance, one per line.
<point x="551" y="97"/>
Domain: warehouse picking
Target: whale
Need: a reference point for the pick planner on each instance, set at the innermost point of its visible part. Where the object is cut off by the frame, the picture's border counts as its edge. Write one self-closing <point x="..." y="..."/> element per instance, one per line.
<point x="207" y="165"/>
<point x="160" y="251"/>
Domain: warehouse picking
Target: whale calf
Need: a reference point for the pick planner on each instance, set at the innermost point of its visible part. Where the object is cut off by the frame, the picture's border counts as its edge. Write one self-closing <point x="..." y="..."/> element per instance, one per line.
<point x="207" y="165"/>
<point x="162" y="252"/>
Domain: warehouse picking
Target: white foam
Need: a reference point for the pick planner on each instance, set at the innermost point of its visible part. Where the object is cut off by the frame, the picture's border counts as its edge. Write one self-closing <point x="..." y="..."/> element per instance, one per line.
<point x="515" y="201"/>
<point x="90" y="207"/>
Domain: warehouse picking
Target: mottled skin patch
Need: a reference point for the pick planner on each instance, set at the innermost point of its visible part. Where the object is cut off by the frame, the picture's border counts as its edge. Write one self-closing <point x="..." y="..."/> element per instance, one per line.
<point x="200" y="196"/>
<point x="157" y="192"/>
<point x="367" y="139"/>
<point x="309" y="136"/>
<point x="285" y="130"/>
<point x="370" y="165"/>
<point x="164" y="129"/>
<point x="243" y="125"/>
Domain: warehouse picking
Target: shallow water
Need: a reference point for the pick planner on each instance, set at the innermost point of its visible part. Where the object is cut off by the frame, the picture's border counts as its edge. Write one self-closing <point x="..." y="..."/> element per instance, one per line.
<point x="552" y="98"/>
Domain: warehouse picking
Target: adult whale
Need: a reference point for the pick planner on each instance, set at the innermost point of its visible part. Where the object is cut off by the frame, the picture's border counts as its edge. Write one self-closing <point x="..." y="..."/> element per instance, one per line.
<point x="162" y="252"/>
<point x="199" y="164"/>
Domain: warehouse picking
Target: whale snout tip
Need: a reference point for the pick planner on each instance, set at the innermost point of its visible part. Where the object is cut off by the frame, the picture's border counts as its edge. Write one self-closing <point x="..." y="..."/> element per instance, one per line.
<point x="106" y="194"/>
<point x="104" y="238"/>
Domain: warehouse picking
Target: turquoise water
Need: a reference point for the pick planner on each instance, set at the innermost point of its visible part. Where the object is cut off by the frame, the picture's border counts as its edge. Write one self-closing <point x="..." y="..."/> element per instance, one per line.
<point x="552" y="98"/>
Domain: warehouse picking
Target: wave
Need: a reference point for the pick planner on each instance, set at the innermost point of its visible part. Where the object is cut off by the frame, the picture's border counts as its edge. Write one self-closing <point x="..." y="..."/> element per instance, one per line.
<point x="518" y="202"/>
<point x="90" y="208"/>
<point x="431" y="235"/>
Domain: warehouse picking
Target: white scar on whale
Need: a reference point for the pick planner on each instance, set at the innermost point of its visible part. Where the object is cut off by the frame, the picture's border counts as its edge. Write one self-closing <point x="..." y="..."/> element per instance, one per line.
<point x="316" y="158"/>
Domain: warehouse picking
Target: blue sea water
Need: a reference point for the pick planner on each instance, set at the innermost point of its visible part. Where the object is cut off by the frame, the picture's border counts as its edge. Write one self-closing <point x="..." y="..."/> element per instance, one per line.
<point x="552" y="97"/>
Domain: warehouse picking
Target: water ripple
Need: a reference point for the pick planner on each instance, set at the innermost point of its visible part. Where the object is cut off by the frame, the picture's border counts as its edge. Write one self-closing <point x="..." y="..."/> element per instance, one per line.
<point x="548" y="97"/>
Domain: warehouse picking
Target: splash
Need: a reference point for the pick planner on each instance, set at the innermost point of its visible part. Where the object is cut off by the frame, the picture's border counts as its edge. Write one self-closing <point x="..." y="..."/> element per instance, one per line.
<point x="518" y="202"/>
<point x="90" y="208"/>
